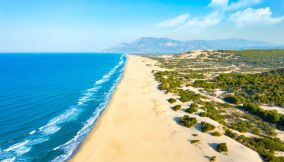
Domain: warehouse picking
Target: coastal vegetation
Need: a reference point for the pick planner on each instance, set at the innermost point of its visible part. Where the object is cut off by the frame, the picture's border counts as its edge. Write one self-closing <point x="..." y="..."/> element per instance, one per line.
<point x="265" y="87"/>
<point x="241" y="90"/>
<point x="212" y="158"/>
<point x="191" y="110"/>
<point x="177" y="107"/>
<point x="205" y="127"/>
<point x="265" y="146"/>
<point x="216" y="133"/>
<point x="222" y="147"/>
<point x="273" y="58"/>
<point x="172" y="100"/>
<point x="194" y="141"/>
<point x="188" y="121"/>
<point x="271" y="116"/>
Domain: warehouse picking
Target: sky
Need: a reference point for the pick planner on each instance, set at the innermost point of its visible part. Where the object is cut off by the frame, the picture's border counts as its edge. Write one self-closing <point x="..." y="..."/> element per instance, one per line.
<point x="94" y="25"/>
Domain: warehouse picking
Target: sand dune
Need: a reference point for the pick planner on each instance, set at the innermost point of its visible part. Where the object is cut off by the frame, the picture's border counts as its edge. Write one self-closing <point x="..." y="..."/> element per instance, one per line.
<point x="140" y="126"/>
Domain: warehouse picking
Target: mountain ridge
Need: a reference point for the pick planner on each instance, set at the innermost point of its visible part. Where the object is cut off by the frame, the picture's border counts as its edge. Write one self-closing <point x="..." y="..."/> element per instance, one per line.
<point x="167" y="45"/>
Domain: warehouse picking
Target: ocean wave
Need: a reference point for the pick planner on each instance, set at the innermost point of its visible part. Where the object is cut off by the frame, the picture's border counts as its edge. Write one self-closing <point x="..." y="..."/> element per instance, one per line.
<point x="15" y="150"/>
<point x="32" y="132"/>
<point x="70" y="146"/>
<point x="9" y="160"/>
<point x="15" y="146"/>
<point x="42" y="134"/>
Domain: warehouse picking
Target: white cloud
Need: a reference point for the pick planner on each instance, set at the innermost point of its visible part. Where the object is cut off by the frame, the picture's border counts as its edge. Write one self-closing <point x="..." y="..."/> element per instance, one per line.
<point x="174" y="22"/>
<point x="225" y="5"/>
<point x="219" y="3"/>
<point x="195" y="24"/>
<point x="243" y="4"/>
<point x="249" y="17"/>
<point x="199" y="23"/>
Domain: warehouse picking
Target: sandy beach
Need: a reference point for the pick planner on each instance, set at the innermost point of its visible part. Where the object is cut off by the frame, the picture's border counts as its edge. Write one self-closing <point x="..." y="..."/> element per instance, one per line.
<point x="140" y="126"/>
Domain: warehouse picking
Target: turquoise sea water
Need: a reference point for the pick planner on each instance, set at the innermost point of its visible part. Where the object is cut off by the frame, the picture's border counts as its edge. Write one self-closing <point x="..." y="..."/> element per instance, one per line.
<point x="49" y="102"/>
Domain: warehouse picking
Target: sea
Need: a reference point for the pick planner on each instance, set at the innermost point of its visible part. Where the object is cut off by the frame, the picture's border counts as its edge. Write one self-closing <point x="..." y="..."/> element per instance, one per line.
<point x="50" y="101"/>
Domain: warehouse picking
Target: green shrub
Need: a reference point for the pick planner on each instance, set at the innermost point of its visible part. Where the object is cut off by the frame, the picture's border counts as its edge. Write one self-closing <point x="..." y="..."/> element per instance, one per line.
<point x="241" y="126"/>
<point x="194" y="106"/>
<point x="233" y="99"/>
<point x="191" y="110"/>
<point x="222" y="147"/>
<point x="264" y="146"/>
<point x="271" y="116"/>
<point x="231" y="134"/>
<point x="216" y="133"/>
<point x="194" y="141"/>
<point x="203" y="114"/>
<point x="172" y="100"/>
<point x="212" y="112"/>
<point x="256" y="131"/>
<point x="188" y="121"/>
<point x="213" y="158"/>
<point x="177" y="107"/>
<point x="184" y="118"/>
<point x="186" y="96"/>
<point x="205" y="127"/>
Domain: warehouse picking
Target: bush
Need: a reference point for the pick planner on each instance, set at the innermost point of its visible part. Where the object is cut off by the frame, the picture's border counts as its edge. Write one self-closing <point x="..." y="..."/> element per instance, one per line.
<point x="256" y="131"/>
<point x="203" y="114"/>
<point x="188" y="121"/>
<point x="194" y="106"/>
<point x="172" y="100"/>
<point x="231" y="134"/>
<point x="233" y="99"/>
<point x="216" y="133"/>
<point x="205" y="127"/>
<point x="264" y="146"/>
<point x="186" y="96"/>
<point x="271" y="116"/>
<point x="191" y="110"/>
<point x="212" y="112"/>
<point x="177" y="107"/>
<point x="241" y="126"/>
<point x="194" y="141"/>
<point x="213" y="158"/>
<point x="222" y="147"/>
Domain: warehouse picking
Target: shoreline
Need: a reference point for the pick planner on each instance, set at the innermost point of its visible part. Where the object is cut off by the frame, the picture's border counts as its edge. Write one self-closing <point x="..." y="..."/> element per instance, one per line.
<point x="139" y="125"/>
<point x="101" y="115"/>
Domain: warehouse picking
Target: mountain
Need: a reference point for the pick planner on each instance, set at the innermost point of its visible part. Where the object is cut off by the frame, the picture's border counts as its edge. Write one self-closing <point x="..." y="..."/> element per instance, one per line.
<point x="166" y="45"/>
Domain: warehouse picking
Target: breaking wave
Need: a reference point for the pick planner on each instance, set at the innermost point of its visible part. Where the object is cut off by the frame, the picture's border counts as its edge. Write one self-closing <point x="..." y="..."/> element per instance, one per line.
<point x="40" y="135"/>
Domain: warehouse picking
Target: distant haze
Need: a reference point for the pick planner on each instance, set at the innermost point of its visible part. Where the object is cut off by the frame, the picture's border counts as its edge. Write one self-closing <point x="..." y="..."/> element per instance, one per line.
<point x="94" y="25"/>
<point x="166" y="45"/>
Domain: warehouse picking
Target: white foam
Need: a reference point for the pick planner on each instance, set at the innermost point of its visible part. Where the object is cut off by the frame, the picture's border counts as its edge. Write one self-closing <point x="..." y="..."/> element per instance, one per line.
<point x="9" y="160"/>
<point x="89" y="93"/>
<point x="42" y="134"/>
<point x="15" y="146"/>
<point x="18" y="149"/>
<point x="32" y="132"/>
<point x="71" y="145"/>
<point x="22" y="150"/>
<point x="52" y="126"/>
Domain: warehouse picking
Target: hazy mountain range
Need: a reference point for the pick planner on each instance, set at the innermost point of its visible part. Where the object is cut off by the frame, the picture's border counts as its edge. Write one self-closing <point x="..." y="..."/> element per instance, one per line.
<point x="166" y="45"/>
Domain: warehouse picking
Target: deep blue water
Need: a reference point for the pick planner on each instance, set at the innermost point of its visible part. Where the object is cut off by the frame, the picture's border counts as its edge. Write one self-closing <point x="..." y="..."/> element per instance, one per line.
<point x="49" y="102"/>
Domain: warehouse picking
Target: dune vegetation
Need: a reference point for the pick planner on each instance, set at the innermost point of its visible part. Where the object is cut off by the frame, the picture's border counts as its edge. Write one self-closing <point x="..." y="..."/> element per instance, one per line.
<point x="233" y="88"/>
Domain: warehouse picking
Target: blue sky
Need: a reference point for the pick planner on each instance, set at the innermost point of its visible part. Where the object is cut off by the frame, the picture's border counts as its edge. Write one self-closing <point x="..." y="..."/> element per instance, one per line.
<point x="93" y="25"/>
